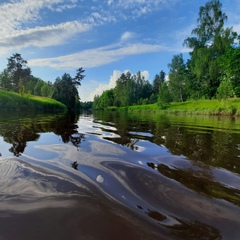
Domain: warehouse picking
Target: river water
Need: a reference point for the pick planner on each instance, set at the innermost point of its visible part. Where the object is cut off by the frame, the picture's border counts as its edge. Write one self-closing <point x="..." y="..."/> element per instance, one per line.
<point x="119" y="176"/>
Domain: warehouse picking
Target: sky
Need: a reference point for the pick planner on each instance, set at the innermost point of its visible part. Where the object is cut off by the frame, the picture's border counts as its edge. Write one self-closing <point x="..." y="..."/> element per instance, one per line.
<point x="104" y="37"/>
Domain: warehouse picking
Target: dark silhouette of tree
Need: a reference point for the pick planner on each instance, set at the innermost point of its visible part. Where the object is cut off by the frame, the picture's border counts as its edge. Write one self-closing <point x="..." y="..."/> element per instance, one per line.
<point x="65" y="89"/>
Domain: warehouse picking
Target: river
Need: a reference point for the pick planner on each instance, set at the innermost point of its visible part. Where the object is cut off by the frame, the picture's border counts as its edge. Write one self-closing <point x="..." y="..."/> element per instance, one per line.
<point x="112" y="175"/>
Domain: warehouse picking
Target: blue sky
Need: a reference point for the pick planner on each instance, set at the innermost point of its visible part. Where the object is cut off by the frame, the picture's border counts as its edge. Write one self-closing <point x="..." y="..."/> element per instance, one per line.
<point x="104" y="37"/>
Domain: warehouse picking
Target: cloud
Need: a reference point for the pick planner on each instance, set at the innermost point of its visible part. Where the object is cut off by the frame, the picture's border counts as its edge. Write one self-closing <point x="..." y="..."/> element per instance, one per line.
<point x="95" y="57"/>
<point x="126" y="36"/>
<point x="23" y="21"/>
<point x="17" y="16"/>
<point x="42" y="36"/>
<point x="103" y="87"/>
<point x="140" y="7"/>
<point x="16" y="13"/>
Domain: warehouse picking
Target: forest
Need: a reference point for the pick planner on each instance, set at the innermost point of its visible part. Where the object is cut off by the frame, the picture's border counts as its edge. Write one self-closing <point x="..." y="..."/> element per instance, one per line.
<point x="17" y="77"/>
<point x="211" y="72"/>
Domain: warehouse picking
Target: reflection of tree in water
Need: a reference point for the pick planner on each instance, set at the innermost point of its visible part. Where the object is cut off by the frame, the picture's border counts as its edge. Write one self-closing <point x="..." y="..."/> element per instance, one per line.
<point x="199" y="143"/>
<point x="75" y="165"/>
<point x="186" y="229"/>
<point x="18" y="148"/>
<point x="128" y="142"/>
<point x="18" y="137"/>
<point x="66" y="128"/>
<point x="199" y="181"/>
<point x="76" y="139"/>
<point x="153" y="214"/>
<point x="195" y="230"/>
<point x="19" y="131"/>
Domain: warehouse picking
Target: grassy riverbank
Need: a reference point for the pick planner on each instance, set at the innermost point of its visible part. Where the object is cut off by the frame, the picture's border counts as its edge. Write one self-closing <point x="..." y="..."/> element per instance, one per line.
<point x="228" y="107"/>
<point x="14" y="101"/>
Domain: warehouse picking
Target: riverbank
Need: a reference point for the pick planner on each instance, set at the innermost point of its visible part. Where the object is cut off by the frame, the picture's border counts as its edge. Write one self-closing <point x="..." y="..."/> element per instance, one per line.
<point x="14" y="101"/>
<point x="229" y="107"/>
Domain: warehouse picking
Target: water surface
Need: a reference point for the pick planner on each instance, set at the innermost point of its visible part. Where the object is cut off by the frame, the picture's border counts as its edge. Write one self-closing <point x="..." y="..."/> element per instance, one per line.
<point x="119" y="176"/>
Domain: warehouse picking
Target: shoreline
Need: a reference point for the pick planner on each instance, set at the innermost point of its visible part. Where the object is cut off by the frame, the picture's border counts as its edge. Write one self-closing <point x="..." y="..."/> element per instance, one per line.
<point x="229" y="107"/>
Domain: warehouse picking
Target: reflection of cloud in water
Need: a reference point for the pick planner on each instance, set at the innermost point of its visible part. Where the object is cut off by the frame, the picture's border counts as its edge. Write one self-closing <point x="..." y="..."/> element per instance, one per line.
<point x="100" y="179"/>
<point x="22" y="183"/>
<point x="144" y="134"/>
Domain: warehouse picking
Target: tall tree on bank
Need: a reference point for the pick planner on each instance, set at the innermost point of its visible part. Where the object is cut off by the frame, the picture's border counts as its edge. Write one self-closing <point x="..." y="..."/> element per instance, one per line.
<point x="18" y="71"/>
<point x="209" y="42"/>
<point x="65" y="89"/>
<point x="177" y="76"/>
<point x="158" y="80"/>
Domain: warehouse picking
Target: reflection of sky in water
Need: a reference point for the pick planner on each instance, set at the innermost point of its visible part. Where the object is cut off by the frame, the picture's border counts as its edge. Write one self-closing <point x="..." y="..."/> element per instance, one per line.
<point x="4" y="148"/>
<point x="45" y="139"/>
<point x="142" y="134"/>
<point x="144" y="178"/>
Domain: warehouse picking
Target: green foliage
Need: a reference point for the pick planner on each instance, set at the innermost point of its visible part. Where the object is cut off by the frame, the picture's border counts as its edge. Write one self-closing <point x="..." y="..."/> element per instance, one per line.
<point x="229" y="62"/>
<point x="203" y="107"/>
<point x="105" y="100"/>
<point x="209" y="43"/>
<point x="5" y="80"/>
<point x="86" y="105"/>
<point x="18" y="71"/>
<point x="164" y="97"/>
<point x="129" y="90"/>
<point x="158" y="80"/>
<point x="21" y="87"/>
<point x="65" y="90"/>
<point x="225" y="90"/>
<point x="177" y="78"/>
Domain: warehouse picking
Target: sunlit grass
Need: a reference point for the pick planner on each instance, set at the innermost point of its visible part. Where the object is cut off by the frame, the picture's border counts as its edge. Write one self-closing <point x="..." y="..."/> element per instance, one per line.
<point x="11" y="100"/>
<point x="227" y="107"/>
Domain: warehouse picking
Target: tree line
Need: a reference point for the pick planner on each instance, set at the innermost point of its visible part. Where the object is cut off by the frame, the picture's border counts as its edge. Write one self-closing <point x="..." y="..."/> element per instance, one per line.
<point x="17" y="77"/>
<point x="212" y="71"/>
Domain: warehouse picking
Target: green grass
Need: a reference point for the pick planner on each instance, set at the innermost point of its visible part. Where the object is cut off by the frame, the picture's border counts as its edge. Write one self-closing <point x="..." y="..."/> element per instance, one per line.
<point x="228" y="107"/>
<point x="11" y="100"/>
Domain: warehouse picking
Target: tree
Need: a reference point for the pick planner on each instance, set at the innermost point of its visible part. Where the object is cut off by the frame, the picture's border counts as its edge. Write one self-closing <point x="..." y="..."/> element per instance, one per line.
<point x="47" y="90"/>
<point x="177" y="77"/>
<point x="230" y="65"/>
<point x="37" y="88"/>
<point x="105" y="100"/>
<point x="79" y="77"/>
<point x="224" y="90"/>
<point x="125" y="90"/>
<point x="5" y="80"/>
<point x="65" y="89"/>
<point x="158" y="80"/>
<point x="164" y="97"/>
<point x="210" y="41"/>
<point x="18" y="70"/>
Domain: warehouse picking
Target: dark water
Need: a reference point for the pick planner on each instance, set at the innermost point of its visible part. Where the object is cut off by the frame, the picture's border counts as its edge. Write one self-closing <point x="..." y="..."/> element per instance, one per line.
<point x="119" y="176"/>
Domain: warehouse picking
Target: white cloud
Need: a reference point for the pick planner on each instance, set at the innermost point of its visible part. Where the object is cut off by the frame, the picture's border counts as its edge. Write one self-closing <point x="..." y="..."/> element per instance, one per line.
<point x="145" y="74"/>
<point x="140" y="7"/>
<point x="103" y="87"/>
<point x="95" y="57"/>
<point x="17" y="15"/>
<point x="42" y="36"/>
<point x="126" y="36"/>
<point x="14" y="14"/>
<point x="64" y="7"/>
